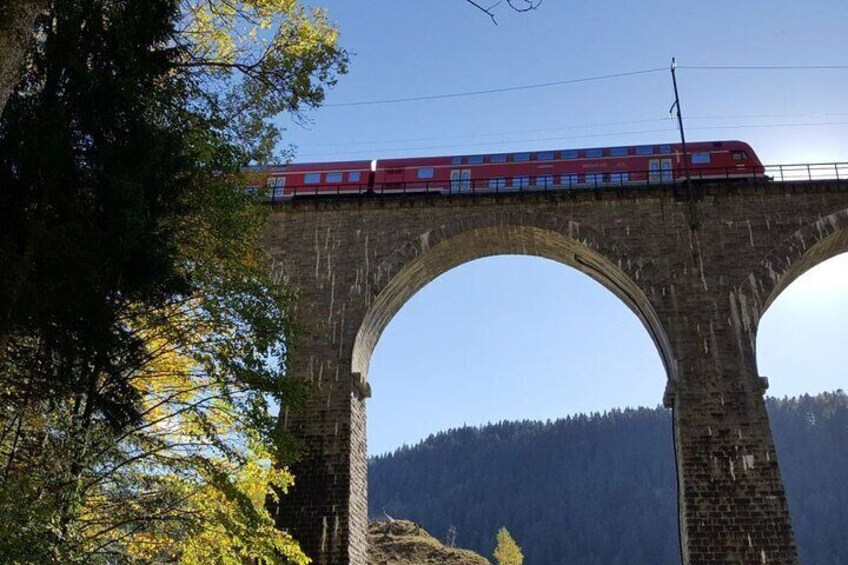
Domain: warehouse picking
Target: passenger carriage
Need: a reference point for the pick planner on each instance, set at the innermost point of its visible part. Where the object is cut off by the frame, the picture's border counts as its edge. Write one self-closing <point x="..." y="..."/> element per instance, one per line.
<point x="624" y="166"/>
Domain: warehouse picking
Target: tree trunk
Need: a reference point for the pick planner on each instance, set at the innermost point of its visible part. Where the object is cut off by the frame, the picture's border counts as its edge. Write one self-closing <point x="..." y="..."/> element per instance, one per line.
<point x="17" y="18"/>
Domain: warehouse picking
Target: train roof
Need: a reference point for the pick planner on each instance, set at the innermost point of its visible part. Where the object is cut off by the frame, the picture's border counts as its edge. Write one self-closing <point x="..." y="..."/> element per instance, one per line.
<point x="449" y="159"/>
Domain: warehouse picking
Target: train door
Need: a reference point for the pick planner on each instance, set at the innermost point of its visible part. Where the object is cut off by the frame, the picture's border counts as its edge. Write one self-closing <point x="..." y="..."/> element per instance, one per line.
<point x="460" y="180"/>
<point x="393" y="179"/>
<point x="660" y="170"/>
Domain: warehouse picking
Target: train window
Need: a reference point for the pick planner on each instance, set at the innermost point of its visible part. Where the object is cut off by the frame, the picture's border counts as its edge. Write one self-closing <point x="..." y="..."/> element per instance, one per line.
<point x="618" y="152"/>
<point x="700" y="158"/>
<point x="545" y="156"/>
<point x="665" y="149"/>
<point x="570" y="154"/>
<point x="497" y="183"/>
<point x="545" y="180"/>
<point x="594" y="179"/>
<point x="592" y="153"/>
<point x="517" y="157"/>
<point x="312" y="178"/>
<point x="425" y="173"/>
<point x="739" y="155"/>
<point x="497" y="158"/>
<point x="475" y="160"/>
<point x="569" y="180"/>
<point x="353" y="176"/>
<point x="619" y="178"/>
<point x="520" y="181"/>
<point x="456" y="161"/>
<point x="645" y="150"/>
<point x="334" y="177"/>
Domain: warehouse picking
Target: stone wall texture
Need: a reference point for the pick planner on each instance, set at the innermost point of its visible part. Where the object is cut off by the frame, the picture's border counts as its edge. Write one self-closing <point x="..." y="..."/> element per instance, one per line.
<point x="698" y="273"/>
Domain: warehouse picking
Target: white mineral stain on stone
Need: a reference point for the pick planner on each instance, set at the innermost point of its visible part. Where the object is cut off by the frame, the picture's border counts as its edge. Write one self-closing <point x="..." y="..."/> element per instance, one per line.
<point x="332" y="296"/>
<point x="317" y="254"/>
<point x="732" y="469"/>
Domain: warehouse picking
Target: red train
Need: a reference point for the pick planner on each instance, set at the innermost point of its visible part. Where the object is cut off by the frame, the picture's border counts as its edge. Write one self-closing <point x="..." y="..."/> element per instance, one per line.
<point x="624" y="166"/>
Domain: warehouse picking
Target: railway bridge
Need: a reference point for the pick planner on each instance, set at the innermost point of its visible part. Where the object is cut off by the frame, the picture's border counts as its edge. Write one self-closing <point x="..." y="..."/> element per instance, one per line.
<point x="699" y="272"/>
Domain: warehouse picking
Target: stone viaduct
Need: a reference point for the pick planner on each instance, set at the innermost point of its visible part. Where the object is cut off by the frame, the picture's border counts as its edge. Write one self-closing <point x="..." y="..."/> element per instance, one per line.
<point x="699" y="290"/>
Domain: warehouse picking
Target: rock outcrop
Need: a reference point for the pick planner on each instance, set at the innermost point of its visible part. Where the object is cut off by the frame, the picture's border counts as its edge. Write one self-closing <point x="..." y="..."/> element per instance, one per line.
<point x="401" y="542"/>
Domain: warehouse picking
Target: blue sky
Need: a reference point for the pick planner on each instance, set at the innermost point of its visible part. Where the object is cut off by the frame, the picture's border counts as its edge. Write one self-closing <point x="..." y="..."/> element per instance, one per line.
<point x="518" y="337"/>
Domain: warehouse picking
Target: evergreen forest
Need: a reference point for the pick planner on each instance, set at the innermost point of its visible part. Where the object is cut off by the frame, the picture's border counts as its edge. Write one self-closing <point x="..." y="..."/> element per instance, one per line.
<point x="600" y="489"/>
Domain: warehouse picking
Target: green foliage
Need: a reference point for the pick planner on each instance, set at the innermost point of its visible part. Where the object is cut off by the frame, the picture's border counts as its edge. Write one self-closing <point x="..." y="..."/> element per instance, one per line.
<point x="142" y="343"/>
<point x="258" y="58"/>
<point x="600" y="488"/>
<point x="507" y="551"/>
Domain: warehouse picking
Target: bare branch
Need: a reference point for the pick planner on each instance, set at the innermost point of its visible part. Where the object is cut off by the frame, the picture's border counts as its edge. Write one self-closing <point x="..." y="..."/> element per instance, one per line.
<point x="524" y="6"/>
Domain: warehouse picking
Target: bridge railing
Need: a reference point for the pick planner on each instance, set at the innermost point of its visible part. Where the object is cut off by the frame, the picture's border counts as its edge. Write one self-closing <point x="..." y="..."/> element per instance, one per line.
<point x="807" y="172"/>
<point x="606" y="180"/>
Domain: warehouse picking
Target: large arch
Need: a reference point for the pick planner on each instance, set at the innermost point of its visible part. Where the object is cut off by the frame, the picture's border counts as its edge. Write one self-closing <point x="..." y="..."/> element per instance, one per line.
<point x="794" y="255"/>
<point x="809" y="246"/>
<point x="413" y="265"/>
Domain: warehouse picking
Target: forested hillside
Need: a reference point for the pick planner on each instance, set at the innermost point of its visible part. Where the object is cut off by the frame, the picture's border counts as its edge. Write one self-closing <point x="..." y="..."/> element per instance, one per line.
<point x="600" y="489"/>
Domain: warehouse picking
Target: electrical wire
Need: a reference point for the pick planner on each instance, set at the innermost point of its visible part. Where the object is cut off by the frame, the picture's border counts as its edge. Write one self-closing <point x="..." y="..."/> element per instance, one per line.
<point x="586" y="79"/>
<point x="764" y="68"/>
<point x="767" y="126"/>
<point x="583" y="136"/>
<point x="494" y="90"/>
<point x="374" y="142"/>
<point x="491" y="143"/>
<point x="476" y="135"/>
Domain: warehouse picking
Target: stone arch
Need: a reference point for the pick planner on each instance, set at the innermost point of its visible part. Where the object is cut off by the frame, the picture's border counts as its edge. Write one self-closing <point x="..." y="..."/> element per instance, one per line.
<point x="421" y="259"/>
<point x="807" y="247"/>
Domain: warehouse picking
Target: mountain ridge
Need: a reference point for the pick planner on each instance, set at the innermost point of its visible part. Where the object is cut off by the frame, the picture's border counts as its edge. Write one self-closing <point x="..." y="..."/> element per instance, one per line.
<point x="601" y="488"/>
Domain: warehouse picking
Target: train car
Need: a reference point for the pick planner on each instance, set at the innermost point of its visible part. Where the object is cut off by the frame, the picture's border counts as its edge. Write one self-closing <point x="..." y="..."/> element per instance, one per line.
<point x="312" y="179"/>
<point x="570" y="168"/>
<point x="623" y="166"/>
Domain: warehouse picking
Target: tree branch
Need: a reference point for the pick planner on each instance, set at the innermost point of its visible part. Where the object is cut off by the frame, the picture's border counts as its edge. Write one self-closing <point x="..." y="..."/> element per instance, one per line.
<point x="525" y="6"/>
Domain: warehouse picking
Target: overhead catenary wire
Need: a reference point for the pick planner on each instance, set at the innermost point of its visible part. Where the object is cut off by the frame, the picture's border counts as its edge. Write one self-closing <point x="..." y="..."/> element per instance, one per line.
<point x="494" y="143"/>
<point x="764" y="67"/>
<point x="377" y="142"/>
<point x="494" y="90"/>
<point x="610" y="76"/>
<point x="583" y="136"/>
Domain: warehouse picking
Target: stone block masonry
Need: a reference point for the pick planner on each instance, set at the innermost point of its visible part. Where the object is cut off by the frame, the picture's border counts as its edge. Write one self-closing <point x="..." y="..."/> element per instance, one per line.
<point x="700" y="294"/>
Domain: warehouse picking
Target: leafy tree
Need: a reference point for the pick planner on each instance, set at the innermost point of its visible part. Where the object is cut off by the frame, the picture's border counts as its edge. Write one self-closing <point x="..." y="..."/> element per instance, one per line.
<point x="142" y="343"/>
<point x="16" y="36"/>
<point x="507" y="551"/>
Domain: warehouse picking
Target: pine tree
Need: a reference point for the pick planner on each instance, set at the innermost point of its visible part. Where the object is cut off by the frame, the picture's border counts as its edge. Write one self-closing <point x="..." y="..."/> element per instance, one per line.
<point x="507" y="551"/>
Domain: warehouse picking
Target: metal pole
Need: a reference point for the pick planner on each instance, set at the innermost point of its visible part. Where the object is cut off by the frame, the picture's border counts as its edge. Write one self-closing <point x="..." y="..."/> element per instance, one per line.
<point x="693" y="218"/>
